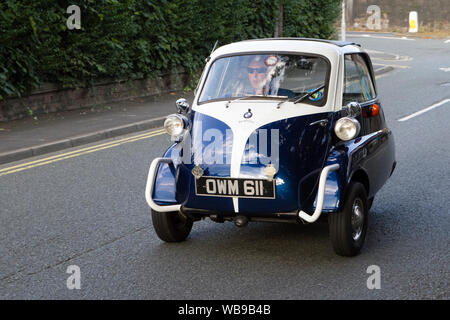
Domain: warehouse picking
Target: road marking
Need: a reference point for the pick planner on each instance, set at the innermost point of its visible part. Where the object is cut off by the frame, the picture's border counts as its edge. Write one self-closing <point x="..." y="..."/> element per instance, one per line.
<point x="447" y="41"/>
<point x="79" y="152"/>
<point x="378" y="37"/>
<point x="84" y="149"/>
<point x="391" y="65"/>
<point x="445" y="69"/>
<point x="387" y="56"/>
<point x="415" y="114"/>
<point x="382" y="75"/>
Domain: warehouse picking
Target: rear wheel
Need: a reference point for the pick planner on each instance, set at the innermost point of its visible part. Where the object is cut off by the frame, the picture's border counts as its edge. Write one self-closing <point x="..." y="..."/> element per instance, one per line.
<point x="348" y="228"/>
<point x="171" y="226"/>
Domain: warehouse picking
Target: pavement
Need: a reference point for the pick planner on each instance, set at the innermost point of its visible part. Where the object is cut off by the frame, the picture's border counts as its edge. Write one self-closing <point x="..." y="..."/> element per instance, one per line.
<point x="29" y="137"/>
<point x="47" y="133"/>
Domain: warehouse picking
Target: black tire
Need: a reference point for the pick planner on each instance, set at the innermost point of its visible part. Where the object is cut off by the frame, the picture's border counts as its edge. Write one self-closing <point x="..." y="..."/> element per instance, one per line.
<point x="347" y="240"/>
<point x="171" y="226"/>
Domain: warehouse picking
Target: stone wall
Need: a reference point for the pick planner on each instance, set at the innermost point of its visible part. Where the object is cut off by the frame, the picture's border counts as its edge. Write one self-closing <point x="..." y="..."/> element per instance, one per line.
<point x="48" y="98"/>
<point x="433" y="15"/>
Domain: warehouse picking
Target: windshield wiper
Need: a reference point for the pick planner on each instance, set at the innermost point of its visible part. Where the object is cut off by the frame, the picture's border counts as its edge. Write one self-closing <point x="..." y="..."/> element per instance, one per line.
<point x="309" y="94"/>
<point x="256" y="96"/>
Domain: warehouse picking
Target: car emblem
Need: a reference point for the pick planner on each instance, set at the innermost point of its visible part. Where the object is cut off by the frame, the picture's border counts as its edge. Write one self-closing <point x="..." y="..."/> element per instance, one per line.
<point x="248" y="114"/>
<point x="197" y="172"/>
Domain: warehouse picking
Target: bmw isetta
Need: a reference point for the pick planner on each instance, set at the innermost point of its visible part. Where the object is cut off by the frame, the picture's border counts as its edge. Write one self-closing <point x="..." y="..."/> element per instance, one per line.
<point x="280" y="130"/>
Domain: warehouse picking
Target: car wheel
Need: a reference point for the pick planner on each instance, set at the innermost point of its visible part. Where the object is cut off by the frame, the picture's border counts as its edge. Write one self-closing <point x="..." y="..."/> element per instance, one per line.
<point x="171" y="226"/>
<point x="348" y="227"/>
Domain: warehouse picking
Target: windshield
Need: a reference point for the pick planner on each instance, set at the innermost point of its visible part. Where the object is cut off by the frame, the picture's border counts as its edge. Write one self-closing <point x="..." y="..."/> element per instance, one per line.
<point x="267" y="75"/>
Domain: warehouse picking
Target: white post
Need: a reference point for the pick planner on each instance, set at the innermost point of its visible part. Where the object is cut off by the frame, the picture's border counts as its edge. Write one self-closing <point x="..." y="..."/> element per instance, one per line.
<point x="413" y="22"/>
<point x="343" y="21"/>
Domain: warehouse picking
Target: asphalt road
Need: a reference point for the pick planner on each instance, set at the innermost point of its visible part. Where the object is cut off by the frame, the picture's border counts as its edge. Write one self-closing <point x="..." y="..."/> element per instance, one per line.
<point x="89" y="210"/>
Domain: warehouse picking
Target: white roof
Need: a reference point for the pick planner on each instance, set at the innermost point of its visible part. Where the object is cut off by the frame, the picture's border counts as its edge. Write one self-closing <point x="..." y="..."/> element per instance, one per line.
<point x="331" y="50"/>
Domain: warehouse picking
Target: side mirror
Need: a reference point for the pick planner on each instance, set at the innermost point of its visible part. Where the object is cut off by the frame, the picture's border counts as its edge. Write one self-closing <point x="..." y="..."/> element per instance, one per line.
<point x="182" y="105"/>
<point x="352" y="109"/>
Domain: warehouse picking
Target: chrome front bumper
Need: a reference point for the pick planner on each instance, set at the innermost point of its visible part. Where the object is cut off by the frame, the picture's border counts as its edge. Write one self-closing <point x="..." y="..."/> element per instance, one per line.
<point x="154" y="166"/>
<point x="170" y="208"/>
<point x="320" y="195"/>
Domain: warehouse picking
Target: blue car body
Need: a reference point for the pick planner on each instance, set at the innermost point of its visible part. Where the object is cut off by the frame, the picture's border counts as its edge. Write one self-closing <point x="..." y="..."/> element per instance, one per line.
<point x="307" y="144"/>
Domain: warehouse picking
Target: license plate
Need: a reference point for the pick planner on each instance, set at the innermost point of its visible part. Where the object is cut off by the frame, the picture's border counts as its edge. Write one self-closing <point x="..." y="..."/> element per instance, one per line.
<point x="235" y="187"/>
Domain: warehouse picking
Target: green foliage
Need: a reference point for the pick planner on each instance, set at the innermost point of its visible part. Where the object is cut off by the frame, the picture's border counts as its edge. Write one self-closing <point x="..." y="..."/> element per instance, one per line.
<point x="311" y="18"/>
<point x="130" y="39"/>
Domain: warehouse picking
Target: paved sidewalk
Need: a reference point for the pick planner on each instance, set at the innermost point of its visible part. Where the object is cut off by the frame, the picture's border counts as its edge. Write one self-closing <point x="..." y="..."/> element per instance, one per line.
<point x="29" y="137"/>
<point x="24" y="138"/>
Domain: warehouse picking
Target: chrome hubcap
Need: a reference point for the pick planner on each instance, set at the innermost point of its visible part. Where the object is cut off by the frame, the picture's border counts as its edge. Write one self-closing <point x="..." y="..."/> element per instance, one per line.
<point x="357" y="219"/>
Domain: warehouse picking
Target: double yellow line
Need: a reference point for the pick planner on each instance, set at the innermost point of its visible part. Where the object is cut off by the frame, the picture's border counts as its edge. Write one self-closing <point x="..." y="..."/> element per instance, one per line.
<point x="79" y="152"/>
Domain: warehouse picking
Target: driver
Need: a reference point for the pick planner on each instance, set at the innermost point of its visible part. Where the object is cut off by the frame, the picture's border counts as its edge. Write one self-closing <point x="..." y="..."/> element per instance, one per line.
<point x="258" y="75"/>
<point x="257" y="71"/>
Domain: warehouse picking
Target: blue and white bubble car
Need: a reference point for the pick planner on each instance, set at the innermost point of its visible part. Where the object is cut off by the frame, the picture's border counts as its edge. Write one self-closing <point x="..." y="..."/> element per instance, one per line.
<point x="280" y="130"/>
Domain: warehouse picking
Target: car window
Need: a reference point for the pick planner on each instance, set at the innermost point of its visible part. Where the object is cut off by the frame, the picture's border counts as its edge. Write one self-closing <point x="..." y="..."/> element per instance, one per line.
<point x="358" y="86"/>
<point x="267" y="75"/>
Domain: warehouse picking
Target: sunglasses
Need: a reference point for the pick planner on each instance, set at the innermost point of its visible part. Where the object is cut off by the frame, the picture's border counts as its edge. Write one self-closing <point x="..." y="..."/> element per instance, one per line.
<point x="258" y="70"/>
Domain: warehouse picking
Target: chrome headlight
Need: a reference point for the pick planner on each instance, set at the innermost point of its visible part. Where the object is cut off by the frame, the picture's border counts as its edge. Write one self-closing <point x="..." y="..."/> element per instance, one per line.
<point x="347" y="128"/>
<point x="174" y="125"/>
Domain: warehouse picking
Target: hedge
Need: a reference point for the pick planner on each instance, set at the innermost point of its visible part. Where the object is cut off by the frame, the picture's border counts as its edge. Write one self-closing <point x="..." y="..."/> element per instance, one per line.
<point x="133" y="39"/>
